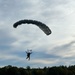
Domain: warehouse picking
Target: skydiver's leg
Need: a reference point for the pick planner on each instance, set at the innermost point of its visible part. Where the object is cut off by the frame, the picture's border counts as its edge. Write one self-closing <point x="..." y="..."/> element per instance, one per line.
<point x="27" y="57"/>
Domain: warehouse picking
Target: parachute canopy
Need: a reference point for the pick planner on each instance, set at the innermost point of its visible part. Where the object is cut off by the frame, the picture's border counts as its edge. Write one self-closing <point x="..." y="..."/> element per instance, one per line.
<point x="41" y="25"/>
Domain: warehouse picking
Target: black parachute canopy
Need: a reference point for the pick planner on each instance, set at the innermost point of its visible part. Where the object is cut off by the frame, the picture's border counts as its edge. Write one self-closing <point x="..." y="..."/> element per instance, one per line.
<point x="41" y="25"/>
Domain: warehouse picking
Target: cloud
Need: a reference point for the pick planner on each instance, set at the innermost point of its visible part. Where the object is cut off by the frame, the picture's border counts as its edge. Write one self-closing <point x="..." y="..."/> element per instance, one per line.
<point x="56" y="49"/>
<point x="64" y="50"/>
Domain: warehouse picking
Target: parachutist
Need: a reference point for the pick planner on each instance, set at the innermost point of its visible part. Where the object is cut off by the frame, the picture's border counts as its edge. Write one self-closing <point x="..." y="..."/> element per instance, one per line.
<point x="28" y="54"/>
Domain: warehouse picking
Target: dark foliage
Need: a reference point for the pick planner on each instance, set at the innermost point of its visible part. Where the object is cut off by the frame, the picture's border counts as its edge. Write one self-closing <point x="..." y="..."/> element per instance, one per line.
<point x="60" y="70"/>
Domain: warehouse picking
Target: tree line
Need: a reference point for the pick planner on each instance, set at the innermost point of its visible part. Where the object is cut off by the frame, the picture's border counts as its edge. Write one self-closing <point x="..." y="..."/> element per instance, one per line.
<point x="56" y="70"/>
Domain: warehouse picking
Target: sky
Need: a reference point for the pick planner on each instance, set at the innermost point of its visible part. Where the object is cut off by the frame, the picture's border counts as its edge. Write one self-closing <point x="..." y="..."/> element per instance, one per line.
<point x="53" y="50"/>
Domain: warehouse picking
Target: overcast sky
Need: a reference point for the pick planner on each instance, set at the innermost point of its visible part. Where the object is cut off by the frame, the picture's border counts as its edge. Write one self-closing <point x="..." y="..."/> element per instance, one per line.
<point x="53" y="50"/>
